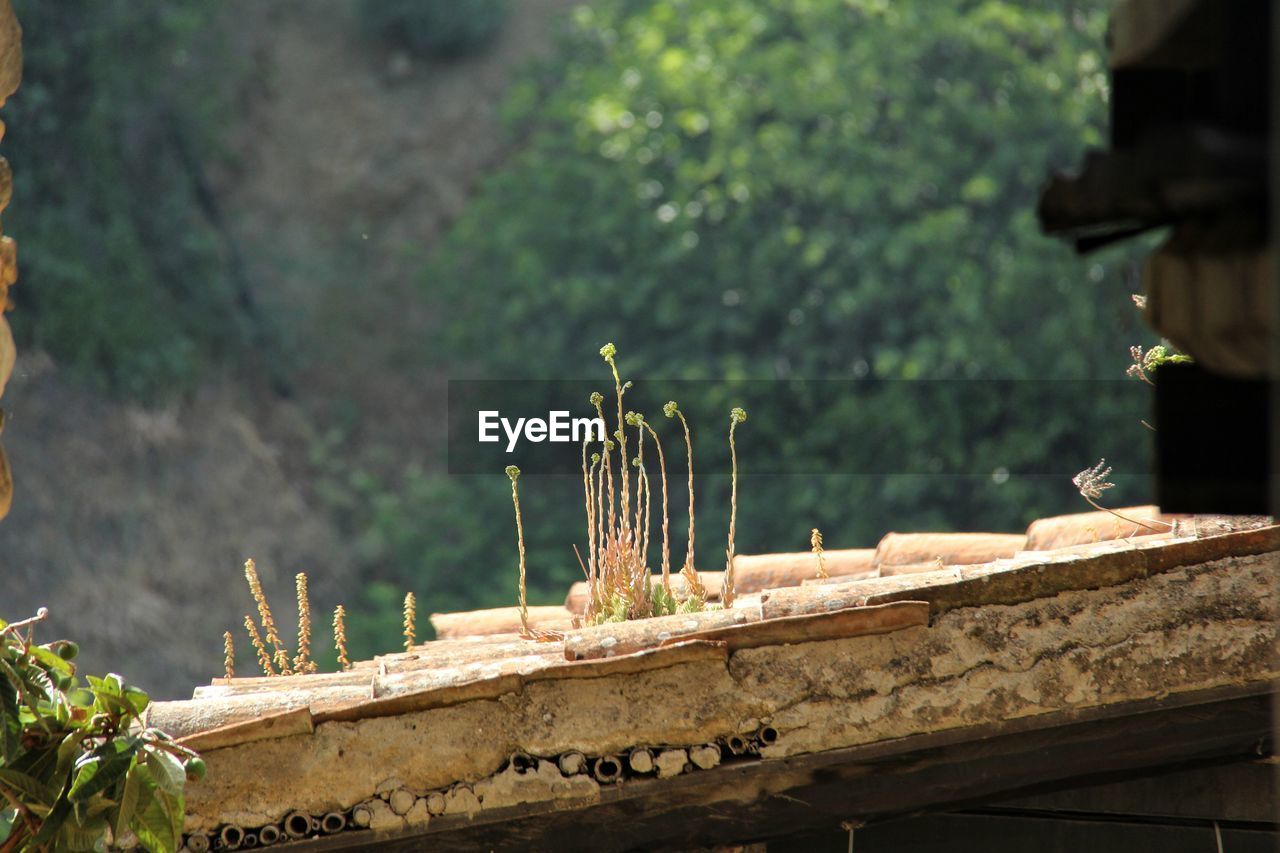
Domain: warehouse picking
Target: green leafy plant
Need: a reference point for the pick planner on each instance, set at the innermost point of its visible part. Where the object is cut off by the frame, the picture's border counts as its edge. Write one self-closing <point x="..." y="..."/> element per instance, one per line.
<point x="78" y="769"/>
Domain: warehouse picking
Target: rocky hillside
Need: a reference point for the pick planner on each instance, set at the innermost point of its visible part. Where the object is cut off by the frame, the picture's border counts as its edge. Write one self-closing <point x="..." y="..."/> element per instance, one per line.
<point x="347" y="160"/>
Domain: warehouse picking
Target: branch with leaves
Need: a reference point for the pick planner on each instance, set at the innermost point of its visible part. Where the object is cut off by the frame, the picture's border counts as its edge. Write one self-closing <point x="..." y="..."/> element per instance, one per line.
<point x="78" y="770"/>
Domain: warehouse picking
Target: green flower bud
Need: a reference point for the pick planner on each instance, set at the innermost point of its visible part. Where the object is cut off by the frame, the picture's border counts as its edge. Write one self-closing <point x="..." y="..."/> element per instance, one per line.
<point x="595" y="458"/>
<point x="596" y="398"/>
<point x="737" y="415"/>
<point x="670" y="409"/>
<point x="635" y="463"/>
<point x="633" y="419"/>
<point x="608" y="351"/>
<point x="609" y="445"/>
<point x="513" y="472"/>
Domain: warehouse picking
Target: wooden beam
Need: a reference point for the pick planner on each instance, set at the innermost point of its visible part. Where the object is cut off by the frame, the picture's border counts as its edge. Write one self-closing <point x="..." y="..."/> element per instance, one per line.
<point x="1241" y="792"/>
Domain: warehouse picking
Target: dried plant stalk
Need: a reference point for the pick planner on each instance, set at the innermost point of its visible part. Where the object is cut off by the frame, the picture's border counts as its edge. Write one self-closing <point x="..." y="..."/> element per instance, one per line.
<point x="340" y="636"/>
<point x="280" y="654"/>
<point x="1092" y="482"/>
<point x="228" y="655"/>
<point x="264" y="659"/>
<point x="410" y="620"/>
<point x="815" y="543"/>
<point x="302" y="662"/>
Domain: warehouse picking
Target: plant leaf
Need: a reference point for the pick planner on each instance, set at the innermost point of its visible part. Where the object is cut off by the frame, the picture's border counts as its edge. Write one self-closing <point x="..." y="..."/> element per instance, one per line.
<point x="8" y="817"/>
<point x="51" y="660"/>
<point x="137" y="699"/>
<point x="68" y="752"/>
<point x="91" y="835"/>
<point x="133" y="784"/>
<point x="52" y="823"/>
<point x="158" y="820"/>
<point x="106" y="765"/>
<point x="9" y="728"/>
<point x="167" y="771"/>
<point x="29" y="788"/>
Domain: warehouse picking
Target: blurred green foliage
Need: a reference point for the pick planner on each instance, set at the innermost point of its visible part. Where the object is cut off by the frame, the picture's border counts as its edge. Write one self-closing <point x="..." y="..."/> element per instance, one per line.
<point x="769" y="189"/>
<point x="436" y="29"/>
<point x="124" y="273"/>
<point x="744" y="189"/>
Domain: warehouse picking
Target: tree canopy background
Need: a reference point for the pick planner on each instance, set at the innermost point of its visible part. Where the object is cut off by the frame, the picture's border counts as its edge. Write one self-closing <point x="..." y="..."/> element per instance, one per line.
<point x="744" y="190"/>
<point x="779" y="190"/>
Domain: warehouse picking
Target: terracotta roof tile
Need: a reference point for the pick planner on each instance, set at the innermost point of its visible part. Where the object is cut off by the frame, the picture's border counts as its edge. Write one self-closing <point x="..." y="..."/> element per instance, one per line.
<point x="766" y="571"/>
<point x="499" y="620"/>
<point x="1082" y="528"/>
<point x="913" y="549"/>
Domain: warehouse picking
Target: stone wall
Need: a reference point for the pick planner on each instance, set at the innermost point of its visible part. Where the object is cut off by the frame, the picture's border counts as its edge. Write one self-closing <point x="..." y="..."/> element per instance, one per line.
<point x="1190" y="629"/>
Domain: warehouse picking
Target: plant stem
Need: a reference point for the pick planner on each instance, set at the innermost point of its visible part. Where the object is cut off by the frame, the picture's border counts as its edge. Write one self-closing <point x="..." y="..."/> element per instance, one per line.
<point x="40" y="616"/>
<point x="524" y="605"/>
<point x="690" y="573"/>
<point x="588" y="476"/>
<point x="727" y="593"/>
<point x="1101" y="508"/>
<point x="666" y="548"/>
<point x="619" y="391"/>
<point x="264" y="659"/>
